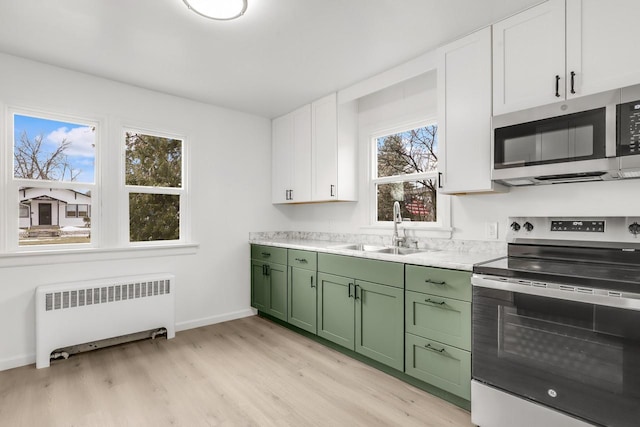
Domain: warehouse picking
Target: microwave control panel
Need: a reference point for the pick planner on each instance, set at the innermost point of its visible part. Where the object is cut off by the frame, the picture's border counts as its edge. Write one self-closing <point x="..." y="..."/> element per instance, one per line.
<point x="628" y="117"/>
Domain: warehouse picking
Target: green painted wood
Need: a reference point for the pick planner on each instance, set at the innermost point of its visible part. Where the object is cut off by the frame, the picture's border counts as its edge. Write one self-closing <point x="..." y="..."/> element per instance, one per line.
<point x="370" y="270"/>
<point x="259" y="286"/>
<point x="443" y="319"/>
<point x="379" y="323"/>
<point x="443" y="366"/>
<point x="303" y="298"/>
<point x="277" y="278"/>
<point x="303" y="259"/>
<point x="269" y="253"/>
<point x="336" y="310"/>
<point x="439" y="281"/>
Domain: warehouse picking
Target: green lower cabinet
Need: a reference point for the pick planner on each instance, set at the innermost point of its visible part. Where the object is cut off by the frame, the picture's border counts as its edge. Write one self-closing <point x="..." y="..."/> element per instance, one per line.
<point x="362" y="316"/>
<point x="336" y="309"/>
<point x="302" y="299"/>
<point x="269" y="288"/>
<point x="443" y="319"/>
<point x="443" y="366"/>
<point x="379" y="323"/>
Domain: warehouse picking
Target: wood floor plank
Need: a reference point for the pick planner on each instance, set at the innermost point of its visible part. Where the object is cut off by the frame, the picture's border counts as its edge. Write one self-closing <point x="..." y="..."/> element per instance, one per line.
<point x="247" y="372"/>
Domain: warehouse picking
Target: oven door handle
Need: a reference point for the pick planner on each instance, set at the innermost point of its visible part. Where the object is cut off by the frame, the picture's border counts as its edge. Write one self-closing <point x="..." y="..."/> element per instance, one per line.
<point x="628" y="301"/>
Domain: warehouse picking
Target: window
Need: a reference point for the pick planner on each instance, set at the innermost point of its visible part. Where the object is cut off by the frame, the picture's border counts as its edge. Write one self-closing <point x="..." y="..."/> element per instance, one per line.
<point x="53" y="165"/>
<point x="405" y="170"/>
<point x="154" y="184"/>
<point x="77" y="211"/>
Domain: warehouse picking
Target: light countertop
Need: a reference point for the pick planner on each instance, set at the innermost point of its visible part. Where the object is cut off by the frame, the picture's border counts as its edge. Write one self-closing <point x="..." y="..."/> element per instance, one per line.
<point x="455" y="260"/>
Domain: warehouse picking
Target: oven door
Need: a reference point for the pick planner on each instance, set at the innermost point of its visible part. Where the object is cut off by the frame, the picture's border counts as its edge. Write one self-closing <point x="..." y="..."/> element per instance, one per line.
<point x="577" y="357"/>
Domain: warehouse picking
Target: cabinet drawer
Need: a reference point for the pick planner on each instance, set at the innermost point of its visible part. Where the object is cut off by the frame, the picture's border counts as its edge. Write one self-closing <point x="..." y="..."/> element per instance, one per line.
<point x="384" y="272"/>
<point x="269" y="253"/>
<point x="439" y="281"/>
<point x="443" y="366"/>
<point x="442" y="319"/>
<point x="303" y="259"/>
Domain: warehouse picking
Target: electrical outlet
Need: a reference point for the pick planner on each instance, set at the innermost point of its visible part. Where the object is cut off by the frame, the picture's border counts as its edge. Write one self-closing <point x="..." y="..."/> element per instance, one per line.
<point x="491" y="230"/>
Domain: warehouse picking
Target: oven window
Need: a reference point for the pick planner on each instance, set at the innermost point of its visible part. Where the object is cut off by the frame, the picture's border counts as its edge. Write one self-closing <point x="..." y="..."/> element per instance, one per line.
<point x="579" y="358"/>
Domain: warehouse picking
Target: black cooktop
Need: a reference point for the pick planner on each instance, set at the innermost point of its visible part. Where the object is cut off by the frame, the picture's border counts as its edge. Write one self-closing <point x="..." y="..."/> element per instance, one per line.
<point x="607" y="269"/>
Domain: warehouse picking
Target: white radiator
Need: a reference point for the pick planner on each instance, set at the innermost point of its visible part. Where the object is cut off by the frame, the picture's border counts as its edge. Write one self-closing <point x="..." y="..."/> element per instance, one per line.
<point x="82" y="312"/>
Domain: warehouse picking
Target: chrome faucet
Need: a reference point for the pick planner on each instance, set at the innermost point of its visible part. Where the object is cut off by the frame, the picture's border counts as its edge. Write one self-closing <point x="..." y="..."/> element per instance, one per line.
<point x="397" y="219"/>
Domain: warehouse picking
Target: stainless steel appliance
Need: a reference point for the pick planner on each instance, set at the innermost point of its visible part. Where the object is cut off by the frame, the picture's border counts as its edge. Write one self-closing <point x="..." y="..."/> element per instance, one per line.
<point x="556" y="326"/>
<point x="563" y="142"/>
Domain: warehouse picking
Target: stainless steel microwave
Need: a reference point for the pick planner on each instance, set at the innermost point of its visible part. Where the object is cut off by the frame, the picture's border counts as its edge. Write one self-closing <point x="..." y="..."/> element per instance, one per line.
<point x="570" y="141"/>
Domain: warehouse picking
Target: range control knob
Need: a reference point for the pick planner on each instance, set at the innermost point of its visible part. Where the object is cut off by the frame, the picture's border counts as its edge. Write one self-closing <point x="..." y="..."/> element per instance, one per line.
<point x="515" y="226"/>
<point x="634" y="228"/>
<point x="528" y="226"/>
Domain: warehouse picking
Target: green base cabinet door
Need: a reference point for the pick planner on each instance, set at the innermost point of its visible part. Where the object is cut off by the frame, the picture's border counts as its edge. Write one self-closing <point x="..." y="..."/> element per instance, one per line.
<point x="336" y="309"/>
<point x="302" y="299"/>
<point x="379" y="323"/>
<point x="443" y="366"/>
<point x="277" y="277"/>
<point x="259" y="286"/>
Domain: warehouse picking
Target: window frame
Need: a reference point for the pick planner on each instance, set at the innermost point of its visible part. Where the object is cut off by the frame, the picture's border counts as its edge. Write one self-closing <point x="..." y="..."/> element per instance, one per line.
<point x="11" y="184"/>
<point x="443" y="202"/>
<point x="182" y="191"/>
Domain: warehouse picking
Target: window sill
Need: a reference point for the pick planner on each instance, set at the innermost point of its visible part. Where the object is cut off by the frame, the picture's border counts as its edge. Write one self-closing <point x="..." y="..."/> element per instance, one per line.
<point x="414" y="230"/>
<point x="44" y="257"/>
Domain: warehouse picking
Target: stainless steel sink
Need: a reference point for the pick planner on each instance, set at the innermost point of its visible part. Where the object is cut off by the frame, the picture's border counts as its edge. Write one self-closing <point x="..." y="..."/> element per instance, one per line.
<point x="401" y="251"/>
<point x="380" y="249"/>
<point x="360" y="247"/>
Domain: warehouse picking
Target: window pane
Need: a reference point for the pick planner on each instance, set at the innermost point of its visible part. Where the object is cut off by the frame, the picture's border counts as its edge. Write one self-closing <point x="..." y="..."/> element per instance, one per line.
<point x="72" y="211"/>
<point x="52" y="216"/>
<point x="407" y="152"/>
<point x="53" y="150"/>
<point x="153" y="161"/>
<point x="417" y="200"/>
<point x="154" y="217"/>
<point x="83" y="211"/>
<point x="24" y="211"/>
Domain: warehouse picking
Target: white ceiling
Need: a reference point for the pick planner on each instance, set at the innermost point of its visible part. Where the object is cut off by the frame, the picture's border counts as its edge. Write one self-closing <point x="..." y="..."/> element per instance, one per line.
<point x="281" y="54"/>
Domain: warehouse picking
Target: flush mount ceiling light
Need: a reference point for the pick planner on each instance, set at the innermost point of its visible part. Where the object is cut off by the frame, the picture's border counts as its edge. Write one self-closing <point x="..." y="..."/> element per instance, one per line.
<point x="222" y="10"/>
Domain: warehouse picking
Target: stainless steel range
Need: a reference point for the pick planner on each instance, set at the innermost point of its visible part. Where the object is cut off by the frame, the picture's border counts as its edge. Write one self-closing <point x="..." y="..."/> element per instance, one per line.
<point x="556" y="326"/>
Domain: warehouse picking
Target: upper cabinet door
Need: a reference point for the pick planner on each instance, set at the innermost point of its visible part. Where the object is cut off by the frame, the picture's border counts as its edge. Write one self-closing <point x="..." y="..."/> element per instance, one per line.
<point x="600" y="45"/>
<point x="281" y="158"/>
<point x="529" y="58"/>
<point x="291" y="157"/>
<point x="324" y="140"/>
<point x="464" y="114"/>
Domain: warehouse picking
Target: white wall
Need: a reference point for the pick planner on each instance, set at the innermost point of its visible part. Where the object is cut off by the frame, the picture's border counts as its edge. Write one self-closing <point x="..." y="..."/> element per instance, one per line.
<point x="229" y="198"/>
<point x="415" y="99"/>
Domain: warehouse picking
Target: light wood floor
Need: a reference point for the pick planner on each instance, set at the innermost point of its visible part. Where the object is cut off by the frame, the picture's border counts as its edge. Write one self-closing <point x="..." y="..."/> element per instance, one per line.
<point x="248" y="372"/>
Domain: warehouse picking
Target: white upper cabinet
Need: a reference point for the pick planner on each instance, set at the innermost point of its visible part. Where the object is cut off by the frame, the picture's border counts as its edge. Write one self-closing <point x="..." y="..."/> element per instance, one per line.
<point x="564" y="49"/>
<point x="464" y="115"/>
<point x="291" y="157"/>
<point x="314" y="153"/>
<point x="601" y="52"/>
<point x="333" y="141"/>
<point x="529" y="58"/>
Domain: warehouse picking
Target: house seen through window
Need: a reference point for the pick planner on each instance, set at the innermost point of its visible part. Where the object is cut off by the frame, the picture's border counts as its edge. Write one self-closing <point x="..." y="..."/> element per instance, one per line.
<point x="54" y="173"/>
<point x="405" y="170"/>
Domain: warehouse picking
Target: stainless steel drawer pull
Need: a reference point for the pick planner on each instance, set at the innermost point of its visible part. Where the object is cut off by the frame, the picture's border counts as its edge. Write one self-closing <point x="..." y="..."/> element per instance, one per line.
<point x="430" y="347"/>
<point x="435" y="282"/>
<point x="430" y="301"/>
<point x="301" y="260"/>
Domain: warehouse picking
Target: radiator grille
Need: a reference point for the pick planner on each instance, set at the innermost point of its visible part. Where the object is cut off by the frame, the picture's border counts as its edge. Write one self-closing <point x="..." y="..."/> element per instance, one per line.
<point x="63" y="300"/>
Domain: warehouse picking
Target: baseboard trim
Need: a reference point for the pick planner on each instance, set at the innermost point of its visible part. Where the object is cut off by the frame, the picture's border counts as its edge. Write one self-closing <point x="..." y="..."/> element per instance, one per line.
<point x="17" y="362"/>
<point x="212" y="320"/>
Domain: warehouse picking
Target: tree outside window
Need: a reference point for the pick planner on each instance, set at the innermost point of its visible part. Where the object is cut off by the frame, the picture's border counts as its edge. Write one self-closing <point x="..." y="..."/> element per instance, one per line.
<point x="153" y="178"/>
<point x="406" y="171"/>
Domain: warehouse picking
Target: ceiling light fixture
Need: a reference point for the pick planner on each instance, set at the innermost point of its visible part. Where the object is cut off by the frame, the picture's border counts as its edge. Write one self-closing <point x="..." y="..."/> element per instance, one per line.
<point x="221" y="10"/>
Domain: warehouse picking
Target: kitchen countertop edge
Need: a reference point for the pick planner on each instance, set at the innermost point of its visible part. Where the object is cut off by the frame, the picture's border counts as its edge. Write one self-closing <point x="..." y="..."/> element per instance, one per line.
<point x="453" y="260"/>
